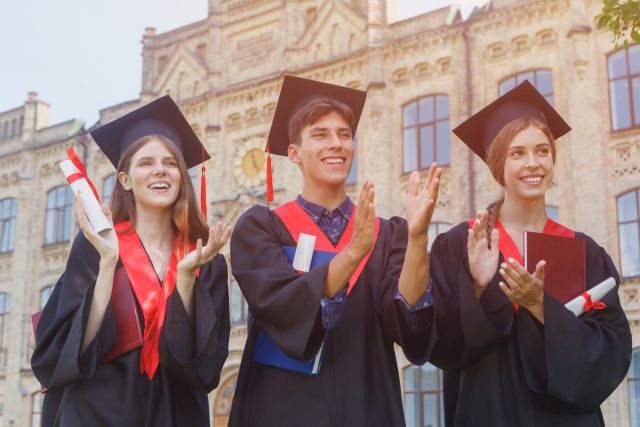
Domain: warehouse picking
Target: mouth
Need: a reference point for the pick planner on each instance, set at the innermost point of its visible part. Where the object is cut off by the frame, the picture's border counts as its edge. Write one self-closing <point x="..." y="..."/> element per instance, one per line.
<point x="334" y="161"/>
<point x="532" y="180"/>
<point x="160" y="187"/>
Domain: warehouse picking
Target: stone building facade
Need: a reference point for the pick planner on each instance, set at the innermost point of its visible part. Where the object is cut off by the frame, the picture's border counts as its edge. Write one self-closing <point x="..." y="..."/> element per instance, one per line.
<point x="423" y="75"/>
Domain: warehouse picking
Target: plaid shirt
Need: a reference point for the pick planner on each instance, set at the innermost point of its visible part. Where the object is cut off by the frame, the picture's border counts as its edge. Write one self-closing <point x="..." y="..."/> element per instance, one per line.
<point x="332" y="225"/>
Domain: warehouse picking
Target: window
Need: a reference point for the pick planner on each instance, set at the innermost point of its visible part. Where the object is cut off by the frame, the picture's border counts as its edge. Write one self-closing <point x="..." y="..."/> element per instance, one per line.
<point x="435" y="229"/>
<point x="44" y="295"/>
<point x="553" y="213"/>
<point x="238" y="307"/>
<point x="423" y="399"/>
<point x="21" y="125"/>
<point x="634" y="389"/>
<point x="36" y="409"/>
<point x="59" y="206"/>
<point x="624" y="88"/>
<point x="5" y="132"/>
<point x="14" y="128"/>
<point x="425" y="133"/>
<point x="222" y="407"/>
<point x="107" y="188"/>
<point x="8" y="212"/>
<point x="540" y="79"/>
<point x="5" y="307"/>
<point x="193" y="174"/>
<point x="353" y="173"/>
<point x="628" y="234"/>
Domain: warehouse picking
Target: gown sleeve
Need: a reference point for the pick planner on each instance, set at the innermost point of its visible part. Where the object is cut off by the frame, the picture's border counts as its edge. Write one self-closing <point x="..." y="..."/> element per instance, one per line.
<point x="580" y="360"/>
<point x="467" y="328"/>
<point x="284" y="304"/>
<point x="416" y="345"/>
<point x="56" y="360"/>
<point x="196" y="353"/>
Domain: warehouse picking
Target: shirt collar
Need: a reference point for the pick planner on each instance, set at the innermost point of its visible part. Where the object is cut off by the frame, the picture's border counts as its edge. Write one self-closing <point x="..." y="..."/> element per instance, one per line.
<point x="315" y="211"/>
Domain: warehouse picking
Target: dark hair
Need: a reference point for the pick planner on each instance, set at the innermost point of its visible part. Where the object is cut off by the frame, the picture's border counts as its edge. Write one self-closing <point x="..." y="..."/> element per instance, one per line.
<point x="188" y="222"/>
<point x="497" y="156"/>
<point x="313" y="111"/>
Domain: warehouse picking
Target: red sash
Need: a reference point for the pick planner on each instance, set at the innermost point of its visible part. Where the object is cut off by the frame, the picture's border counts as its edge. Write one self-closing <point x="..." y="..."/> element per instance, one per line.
<point x="298" y="221"/>
<point x="508" y="248"/>
<point x="152" y="297"/>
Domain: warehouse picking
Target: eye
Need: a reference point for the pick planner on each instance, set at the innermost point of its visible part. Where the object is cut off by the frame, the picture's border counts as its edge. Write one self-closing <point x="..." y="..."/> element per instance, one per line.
<point x="145" y="163"/>
<point x="543" y="151"/>
<point x="171" y="163"/>
<point x="345" y="135"/>
<point x="516" y="153"/>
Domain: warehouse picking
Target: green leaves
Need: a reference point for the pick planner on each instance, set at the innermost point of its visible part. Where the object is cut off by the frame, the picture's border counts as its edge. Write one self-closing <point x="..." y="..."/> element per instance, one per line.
<point x="622" y="19"/>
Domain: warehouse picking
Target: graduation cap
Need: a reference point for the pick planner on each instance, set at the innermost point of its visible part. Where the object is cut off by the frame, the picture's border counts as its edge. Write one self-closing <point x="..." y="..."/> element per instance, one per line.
<point x="159" y="117"/>
<point x="479" y="130"/>
<point x="297" y="93"/>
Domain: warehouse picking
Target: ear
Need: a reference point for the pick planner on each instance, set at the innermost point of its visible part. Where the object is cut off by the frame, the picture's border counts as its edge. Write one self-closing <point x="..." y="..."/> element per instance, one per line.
<point x="293" y="154"/>
<point x="124" y="180"/>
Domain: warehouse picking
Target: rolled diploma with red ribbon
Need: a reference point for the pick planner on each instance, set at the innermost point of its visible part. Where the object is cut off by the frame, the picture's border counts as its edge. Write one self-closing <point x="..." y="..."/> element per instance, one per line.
<point x="598" y="292"/>
<point x="304" y="253"/>
<point x="91" y="205"/>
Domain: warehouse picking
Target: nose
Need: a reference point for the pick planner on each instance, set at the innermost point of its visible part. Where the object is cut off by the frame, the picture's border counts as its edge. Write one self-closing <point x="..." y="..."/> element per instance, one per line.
<point x="532" y="162"/>
<point x="335" y="143"/>
<point x="159" y="170"/>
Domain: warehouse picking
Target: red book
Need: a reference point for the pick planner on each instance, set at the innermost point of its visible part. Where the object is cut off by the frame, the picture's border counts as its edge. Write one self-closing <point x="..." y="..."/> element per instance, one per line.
<point x="565" y="270"/>
<point x="128" y="330"/>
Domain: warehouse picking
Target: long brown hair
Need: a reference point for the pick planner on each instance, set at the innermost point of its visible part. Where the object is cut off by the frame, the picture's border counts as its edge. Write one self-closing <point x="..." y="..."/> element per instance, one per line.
<point x="188" y="222"/>
<point x="497" y="156"/>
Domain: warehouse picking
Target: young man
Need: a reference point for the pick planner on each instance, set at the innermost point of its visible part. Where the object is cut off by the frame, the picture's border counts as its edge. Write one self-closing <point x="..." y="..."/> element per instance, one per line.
<point x="346" y="313"/>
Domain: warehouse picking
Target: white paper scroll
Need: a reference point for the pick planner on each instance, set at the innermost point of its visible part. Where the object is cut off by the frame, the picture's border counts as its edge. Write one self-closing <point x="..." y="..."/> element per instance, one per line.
<point x="304" y="252"/>
<point x="91" y="206"/>
<point x="598" y="292"/>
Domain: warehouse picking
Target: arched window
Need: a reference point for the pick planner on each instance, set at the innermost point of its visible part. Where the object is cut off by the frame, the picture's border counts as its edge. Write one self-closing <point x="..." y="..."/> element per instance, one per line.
<point x="435" y="229"/>
<point x="423" y="398"/>
<point x="59" y="213"/>
<point x="5" y="308"/>
<point x="36" y="409"/>
<point x="425" y="133"/>
<point x="107" y="188"/>
<point x="222" y="407"/>
<point x="8" y="213"/>
<point x="624" y="88"/>
<point x="44" y="295"/>
<point x="540" y="79"/>
<point x="238" y="307"/>
<point x="353" y="174"/>
<point x="14" y="127"/>
<point x="629" y="234"/>
<point x="21" y="125"/>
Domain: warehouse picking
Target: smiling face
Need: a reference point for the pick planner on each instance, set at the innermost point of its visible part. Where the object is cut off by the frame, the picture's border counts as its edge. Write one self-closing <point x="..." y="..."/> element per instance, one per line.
<point x="528" y="168"/>
<point x="154" y="176"/>
<point x="326" y="151"/>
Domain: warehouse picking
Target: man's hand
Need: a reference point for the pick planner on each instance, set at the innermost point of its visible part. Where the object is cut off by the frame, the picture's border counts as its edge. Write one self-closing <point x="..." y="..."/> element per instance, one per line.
<point x="363" y="223"/>
<point x="421" y="204"/>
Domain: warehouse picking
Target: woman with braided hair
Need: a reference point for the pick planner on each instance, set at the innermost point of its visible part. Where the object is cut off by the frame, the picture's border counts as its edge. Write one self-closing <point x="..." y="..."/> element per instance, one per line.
<point x="512" y="354"/>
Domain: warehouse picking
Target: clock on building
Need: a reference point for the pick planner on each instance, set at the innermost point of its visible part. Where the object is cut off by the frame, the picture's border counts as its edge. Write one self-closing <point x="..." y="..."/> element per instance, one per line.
<point x="249" y="166"/>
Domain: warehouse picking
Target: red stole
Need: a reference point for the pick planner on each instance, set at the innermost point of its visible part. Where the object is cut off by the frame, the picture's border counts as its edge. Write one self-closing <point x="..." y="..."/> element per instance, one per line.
<point x="298" y="221"/>
<point x="508" y="248"/>
<point x="152" y="297"/>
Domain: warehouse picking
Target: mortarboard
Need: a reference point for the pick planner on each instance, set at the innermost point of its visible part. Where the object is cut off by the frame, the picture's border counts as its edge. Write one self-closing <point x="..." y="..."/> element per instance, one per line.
<point x="479" y="130"/>
<point x="296" y="93"/>
<point x="159" y="117"/>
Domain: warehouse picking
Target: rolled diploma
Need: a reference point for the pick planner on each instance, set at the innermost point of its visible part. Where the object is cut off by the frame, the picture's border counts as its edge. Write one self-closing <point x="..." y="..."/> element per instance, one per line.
<point x="91" y="206"/>
<point x="304" y="252"/>
<point x="598" y="292"/>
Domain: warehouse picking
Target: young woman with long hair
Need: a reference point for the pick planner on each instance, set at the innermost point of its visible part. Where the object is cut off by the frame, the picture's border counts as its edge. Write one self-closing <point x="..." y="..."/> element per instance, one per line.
<point x="512" y="354"/>
<point x="178" y="279"/>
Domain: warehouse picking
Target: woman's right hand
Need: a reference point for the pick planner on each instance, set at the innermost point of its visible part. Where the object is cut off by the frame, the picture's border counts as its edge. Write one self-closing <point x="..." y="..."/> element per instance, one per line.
<point x="106" y="245"/>
<point x="483" y="262"/>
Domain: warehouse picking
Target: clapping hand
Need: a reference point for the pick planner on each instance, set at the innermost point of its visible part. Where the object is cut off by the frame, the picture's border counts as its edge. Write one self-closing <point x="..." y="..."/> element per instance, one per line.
<point x="483" y="262"/>
<point x="364" y="222"/>
<point x="526" y="289"/>
<point x="202" y="255"/>
<point x="421" y="204"/>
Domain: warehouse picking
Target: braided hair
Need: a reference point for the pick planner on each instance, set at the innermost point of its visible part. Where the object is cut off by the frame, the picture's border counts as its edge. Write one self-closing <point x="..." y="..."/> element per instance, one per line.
<point x="497" y="156"/>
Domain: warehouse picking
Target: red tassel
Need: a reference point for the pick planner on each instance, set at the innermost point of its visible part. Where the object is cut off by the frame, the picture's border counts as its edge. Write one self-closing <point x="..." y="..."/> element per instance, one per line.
<point x="203" y="189"/>
<point x="269" y="177"/>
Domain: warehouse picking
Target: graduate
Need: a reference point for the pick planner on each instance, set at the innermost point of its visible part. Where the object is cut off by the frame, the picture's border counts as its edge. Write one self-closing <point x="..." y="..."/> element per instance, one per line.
<point x="179" y="281"/>
<point x="375" y="292"/>
<point x="512" y="354"/>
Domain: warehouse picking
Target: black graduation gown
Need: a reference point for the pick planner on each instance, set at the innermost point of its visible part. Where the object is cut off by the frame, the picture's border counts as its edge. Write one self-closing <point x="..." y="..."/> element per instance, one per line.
<point x="358" y="383"/>
<point x="509" y="370"/>
<point x="116" y="394"/>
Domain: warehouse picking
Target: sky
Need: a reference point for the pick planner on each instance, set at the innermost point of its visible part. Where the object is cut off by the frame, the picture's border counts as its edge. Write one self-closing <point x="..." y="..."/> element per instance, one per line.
<point x="81" y="56"/>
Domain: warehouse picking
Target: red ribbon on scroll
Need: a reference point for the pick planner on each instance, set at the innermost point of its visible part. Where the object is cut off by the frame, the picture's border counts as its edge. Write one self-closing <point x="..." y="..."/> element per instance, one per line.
<point x="590" y="304"/>
<point x="76" y="176"/>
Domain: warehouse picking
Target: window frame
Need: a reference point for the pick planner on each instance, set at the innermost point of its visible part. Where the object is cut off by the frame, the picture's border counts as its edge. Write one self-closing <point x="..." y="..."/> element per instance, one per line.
<point x="618" y="223"/>
<point x="12" y="219"/>
<point x="629" y="78"/>
<point x="244" y="308"/>
<point x="419" y="125"/>
<point x="57" y="210"/>
<point x="38" y="395"/>
<point x="353" y="173"/>
<point x="439" y="392"/>
<point x="106" y="198"/>
<point x="534" y="82"/>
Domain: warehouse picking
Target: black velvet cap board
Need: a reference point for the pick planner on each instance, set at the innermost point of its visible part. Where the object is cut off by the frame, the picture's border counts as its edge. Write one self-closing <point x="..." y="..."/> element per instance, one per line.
<point x="479" y="130"/>
<point x="295" y="94"/>
<point x="162" y="117"/>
